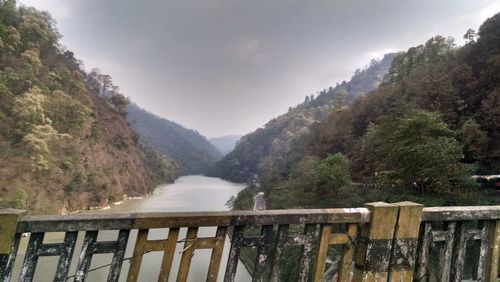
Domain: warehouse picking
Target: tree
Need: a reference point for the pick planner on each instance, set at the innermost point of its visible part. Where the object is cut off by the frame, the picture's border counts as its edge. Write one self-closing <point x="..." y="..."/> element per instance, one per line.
<point x="93" y="79"/>
<point x="475" y="141"/>
<point x="333" y="173"/>
<point x="12" y="39"/>
<point x="306" y="100"/>
<point x="299" y="189"/>
<point x="106" y="84"/>
<point x="68" y="115"/>
<point x="8" y="13"/>
<point x="120" y="102"/>
<point x="490" y="120"/>
<point x="6" y="97"/>
<point x="489" y="35"/>
<point x="20" y="199"/>
<point x="470" y="36"/>
<point x="417" y="149"/>
<point x="29" y="112"/>
<point x="38" y="142"/>
<point x="32" y="60"/>
<point x="340" y="99"/>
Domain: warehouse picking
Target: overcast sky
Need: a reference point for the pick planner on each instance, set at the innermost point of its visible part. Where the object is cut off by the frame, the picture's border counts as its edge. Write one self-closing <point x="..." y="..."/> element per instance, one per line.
<point x="228" y="66"/>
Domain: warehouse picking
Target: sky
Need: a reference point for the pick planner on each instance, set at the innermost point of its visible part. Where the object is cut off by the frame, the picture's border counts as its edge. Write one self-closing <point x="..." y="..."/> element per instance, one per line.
<point x="226" y="67"/>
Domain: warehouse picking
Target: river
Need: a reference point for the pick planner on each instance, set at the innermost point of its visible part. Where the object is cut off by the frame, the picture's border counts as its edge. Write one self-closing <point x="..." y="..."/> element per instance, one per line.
<point x="188" y="193"/>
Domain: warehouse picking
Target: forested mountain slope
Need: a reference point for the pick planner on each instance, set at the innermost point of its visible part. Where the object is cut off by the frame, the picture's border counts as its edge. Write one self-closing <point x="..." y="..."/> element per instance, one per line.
<point x="63" y="147"/>
<point x="433" y="122"/>
<point x="259" y="151"/>
<point x="192" y="152"/>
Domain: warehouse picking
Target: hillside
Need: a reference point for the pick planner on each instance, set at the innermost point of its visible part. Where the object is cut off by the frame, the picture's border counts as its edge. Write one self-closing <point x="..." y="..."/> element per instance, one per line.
<point x="225" y="144"/>
<point x="257" y="152"/>
<point x="63" y="147"/>
<point x="431" y="124"/>
<point x="192" y="152"/>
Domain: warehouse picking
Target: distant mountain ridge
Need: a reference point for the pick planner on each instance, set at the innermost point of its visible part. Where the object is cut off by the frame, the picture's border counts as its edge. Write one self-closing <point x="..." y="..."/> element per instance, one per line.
<point x="225" y="144"/>
<point x="192" y="152"/>
<point x="256" y="152"/>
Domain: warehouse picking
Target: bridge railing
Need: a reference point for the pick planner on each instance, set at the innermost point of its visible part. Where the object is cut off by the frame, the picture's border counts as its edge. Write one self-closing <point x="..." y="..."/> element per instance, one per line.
<point x="465" y="239"/>
<point x="379" y="242"/>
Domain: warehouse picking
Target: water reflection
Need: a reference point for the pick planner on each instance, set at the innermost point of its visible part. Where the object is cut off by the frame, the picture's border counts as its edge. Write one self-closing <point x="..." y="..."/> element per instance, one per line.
<point x="189" y="193"/>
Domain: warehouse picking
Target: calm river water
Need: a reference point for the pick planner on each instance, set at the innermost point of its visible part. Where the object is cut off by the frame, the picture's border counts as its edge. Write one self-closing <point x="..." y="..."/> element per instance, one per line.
<point x="189" y="193"/>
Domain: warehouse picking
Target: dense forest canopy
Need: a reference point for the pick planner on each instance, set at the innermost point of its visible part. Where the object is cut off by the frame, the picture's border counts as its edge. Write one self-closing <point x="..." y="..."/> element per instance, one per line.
<point x="64" y="141"/>
<point x="432" y="123"/>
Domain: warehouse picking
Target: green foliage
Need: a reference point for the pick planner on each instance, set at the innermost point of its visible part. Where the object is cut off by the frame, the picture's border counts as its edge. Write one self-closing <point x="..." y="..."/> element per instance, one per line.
<point x="474" y="140"/>
<point x="418" y="149"/>
<point x="464" y="179"/>
<point x="333" y="173"/>
<point x="12" y="39"/>
<point x="120" y="102"/>
<point x="75" y="183"/>
<point x="5" y="92"/>
<point x="67" y="164"/>
<point x="489" y="36"/>
<point x="28" y="111"/>
<point x="164" y="170"/>
<point x="32" y="60"/>
<point x="67" y="114"/>
<point x="470" y="35"/>
<point x="244" y="200"/>
<point x="120" y="142"/>
<point x="20" y="199"/>
<point x="93" y="181"/>
<point x="96" y="130"/>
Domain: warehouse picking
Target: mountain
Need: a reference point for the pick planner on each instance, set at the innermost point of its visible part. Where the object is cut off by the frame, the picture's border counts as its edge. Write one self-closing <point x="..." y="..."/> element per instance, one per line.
<point x="63" y="147"/>
<point x="225" y="144"/>
<point x="432" y="123"/>
<point x="266" y="147"/>
<point x="192" y="152"/>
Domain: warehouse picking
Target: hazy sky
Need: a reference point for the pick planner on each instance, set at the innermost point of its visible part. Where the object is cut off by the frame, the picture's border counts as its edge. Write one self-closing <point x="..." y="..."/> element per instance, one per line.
<point x="228" y="66"/>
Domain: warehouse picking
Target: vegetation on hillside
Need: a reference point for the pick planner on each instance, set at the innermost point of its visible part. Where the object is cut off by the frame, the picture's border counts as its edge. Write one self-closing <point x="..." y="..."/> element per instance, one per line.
<point x="191" y="152"/>
<point x="258" y="152"/>
<point x="432" y="123"/>
<point x="63" y="146"/>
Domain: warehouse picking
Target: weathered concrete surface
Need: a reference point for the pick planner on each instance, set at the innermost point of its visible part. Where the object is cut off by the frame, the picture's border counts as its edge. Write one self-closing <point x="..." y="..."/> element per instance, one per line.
<point x="259" y="202"/>
<point x="8" y="220"/>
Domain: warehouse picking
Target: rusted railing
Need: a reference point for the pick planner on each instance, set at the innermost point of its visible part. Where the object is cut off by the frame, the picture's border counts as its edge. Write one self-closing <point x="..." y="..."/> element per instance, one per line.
<point x="380" y="242"/>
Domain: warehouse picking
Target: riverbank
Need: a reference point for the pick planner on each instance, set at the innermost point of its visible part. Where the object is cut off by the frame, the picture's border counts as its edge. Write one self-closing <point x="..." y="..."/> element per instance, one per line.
<point x="188" y="193"/>
<point x="106" y="207"/>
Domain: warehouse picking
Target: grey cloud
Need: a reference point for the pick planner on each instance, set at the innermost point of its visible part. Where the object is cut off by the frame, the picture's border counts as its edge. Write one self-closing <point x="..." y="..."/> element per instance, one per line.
<point x="227" y="66"/>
